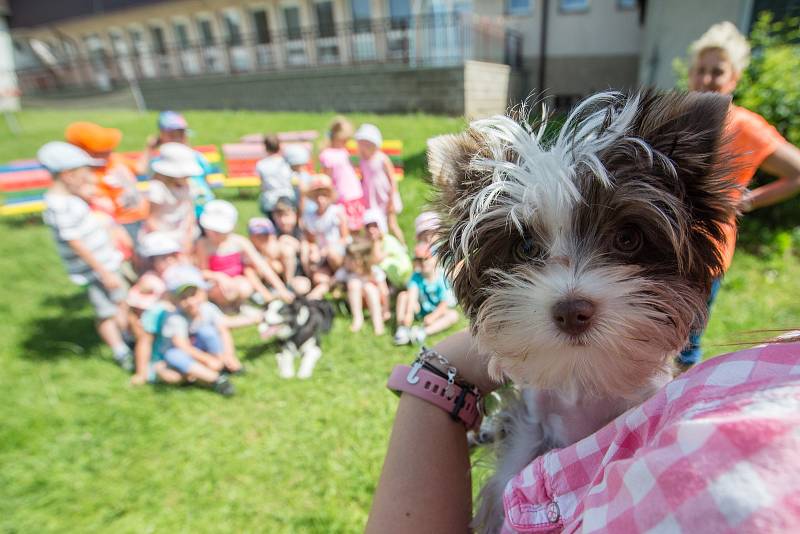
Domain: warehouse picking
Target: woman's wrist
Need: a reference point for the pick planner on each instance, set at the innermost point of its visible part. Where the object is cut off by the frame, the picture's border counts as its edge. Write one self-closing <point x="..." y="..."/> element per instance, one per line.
<point x="462" y="354"/>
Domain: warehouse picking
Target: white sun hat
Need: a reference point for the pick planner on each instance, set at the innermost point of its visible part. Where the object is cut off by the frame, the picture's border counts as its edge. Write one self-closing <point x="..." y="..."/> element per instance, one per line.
<point x="177" y="160"/>
<point x="219" y="216"/>
<point x="296" y="155"/>
<point x="369" y="132"/>
<point x="58" y="156"/>
<point x="158" y="244"/>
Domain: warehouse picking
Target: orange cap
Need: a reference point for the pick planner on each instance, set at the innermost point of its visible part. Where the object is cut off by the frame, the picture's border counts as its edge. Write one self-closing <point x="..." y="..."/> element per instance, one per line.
<point x="93" y="137"/>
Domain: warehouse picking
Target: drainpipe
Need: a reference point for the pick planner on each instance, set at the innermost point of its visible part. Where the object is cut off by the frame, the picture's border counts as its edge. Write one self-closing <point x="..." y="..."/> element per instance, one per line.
<point x="543" y="47"/>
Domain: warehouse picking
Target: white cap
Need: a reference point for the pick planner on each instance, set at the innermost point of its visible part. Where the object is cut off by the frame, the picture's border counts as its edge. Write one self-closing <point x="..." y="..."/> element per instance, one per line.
<point x="296" y="155"/>
<point x="58" y="156"/>
<point x="369" y="132"/>
<point x="374" y="216"/>
<point x="219" y="216"/>
<point x="179" y="277"/>
<point x="158" y="244"/>
<point x="426" y="221"/>
<point x="177" y="160"/>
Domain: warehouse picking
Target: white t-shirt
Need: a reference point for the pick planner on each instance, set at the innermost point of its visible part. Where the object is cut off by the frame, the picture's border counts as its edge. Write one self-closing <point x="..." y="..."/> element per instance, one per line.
<point x="276" y="175"/>
<point x="326" y="227"/>
<point x="71" y="219"/>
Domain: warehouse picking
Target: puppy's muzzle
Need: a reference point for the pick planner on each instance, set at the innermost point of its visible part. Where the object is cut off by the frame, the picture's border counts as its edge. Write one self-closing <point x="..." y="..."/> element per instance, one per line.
<point x="573" y="316"/>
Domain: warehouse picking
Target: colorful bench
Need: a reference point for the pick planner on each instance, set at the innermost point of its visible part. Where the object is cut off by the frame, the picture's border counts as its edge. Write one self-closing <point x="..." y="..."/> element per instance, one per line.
<point x="241" y="160"/>
<point x="23" y="182"/>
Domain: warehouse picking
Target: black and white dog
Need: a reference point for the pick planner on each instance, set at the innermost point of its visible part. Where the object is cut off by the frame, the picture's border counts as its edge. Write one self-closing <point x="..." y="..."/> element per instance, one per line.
<point x="583" y="260"/>
<point x="299" y="327"/>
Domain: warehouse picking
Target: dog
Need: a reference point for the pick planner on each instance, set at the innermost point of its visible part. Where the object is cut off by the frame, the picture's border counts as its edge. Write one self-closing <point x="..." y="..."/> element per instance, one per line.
<point x="299" y="327"/>
<point x="584" y="259"/>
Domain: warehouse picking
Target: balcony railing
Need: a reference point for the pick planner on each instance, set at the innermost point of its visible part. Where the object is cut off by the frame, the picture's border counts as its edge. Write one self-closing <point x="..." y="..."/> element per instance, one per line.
<point x="420" y="41"/>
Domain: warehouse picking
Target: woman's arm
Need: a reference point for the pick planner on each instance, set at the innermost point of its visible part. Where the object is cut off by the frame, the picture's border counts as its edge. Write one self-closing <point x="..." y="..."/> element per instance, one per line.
<point x="785" y="163"/>
<point x="426" y="485"/>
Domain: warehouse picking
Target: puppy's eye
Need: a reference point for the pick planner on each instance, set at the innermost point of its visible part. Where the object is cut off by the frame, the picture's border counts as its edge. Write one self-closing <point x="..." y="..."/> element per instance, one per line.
<point x="527" y="249"/>
<point x="628" y="240"/>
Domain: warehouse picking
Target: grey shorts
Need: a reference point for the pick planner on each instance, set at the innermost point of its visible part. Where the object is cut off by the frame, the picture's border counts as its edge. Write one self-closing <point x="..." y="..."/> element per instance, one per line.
<point x="106" y="303"/>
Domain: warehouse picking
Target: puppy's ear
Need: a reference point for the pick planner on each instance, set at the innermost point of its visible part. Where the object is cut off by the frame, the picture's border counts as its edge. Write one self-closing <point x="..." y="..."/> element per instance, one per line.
<point x="688" y="129"/>
<point x="449" y="159"/>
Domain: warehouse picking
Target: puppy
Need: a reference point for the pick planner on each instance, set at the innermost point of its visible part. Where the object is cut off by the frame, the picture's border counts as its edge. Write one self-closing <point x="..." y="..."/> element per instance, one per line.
<point x="299" y="327"/>
<point x="583" y="260"/>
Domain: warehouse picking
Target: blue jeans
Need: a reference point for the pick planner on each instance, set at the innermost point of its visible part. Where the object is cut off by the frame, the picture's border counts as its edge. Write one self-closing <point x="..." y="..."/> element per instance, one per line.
<point x="206" y="338"/>
<point x="693" y="353"/>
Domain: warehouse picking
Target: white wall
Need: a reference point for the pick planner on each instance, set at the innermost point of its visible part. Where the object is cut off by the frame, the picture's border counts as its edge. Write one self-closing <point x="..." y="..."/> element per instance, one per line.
<point x="8" y="78"/>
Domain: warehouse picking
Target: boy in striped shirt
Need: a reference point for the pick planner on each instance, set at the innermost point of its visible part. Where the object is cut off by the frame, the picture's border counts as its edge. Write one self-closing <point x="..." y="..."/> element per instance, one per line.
<point x="84" y="242"/>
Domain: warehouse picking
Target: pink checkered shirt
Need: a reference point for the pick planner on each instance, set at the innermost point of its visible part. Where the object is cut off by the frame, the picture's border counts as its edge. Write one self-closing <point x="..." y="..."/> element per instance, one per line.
<point x="716" y="450"/>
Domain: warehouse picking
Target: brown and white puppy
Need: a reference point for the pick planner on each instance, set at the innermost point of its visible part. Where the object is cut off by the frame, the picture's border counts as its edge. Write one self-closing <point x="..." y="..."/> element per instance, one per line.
<point x="583" y="261"/>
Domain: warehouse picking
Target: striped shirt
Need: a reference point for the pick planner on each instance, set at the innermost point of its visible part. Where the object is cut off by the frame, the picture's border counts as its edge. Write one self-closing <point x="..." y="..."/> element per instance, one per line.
<point x="71" y="220"/>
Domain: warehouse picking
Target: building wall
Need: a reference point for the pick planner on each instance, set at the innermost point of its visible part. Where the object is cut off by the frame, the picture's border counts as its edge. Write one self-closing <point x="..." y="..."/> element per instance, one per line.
<point x="487" y="89"/>
<point x="672" y="25"/>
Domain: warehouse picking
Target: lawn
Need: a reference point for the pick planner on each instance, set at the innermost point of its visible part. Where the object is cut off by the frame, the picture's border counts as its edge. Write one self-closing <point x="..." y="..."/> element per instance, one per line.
<point x="82" y="451"/>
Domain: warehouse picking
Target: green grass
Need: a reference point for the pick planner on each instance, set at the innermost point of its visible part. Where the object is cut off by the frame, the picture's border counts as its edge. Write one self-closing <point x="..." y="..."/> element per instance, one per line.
<point x="82" y="451"/>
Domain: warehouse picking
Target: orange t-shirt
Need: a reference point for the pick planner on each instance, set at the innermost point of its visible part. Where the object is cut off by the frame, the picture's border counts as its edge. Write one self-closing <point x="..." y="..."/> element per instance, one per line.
<point x="117" y="183"/>
<point x="752" y="139"/>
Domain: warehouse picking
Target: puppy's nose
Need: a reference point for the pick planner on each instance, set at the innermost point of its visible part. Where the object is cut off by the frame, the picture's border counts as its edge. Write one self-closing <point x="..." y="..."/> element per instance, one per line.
<point x="573" y="316"/>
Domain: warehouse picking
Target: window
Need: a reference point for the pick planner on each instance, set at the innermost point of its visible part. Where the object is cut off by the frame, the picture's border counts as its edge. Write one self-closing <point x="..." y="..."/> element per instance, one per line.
<point x="118" y="44"/>
<point x="233" y="28"/>
<point x="94" y="45"/>
<point x="206" y="32"/>
<point x="291" y="17"/>
<point x="261" y="25"/>
<point x="361" y="16"/>
<point x="572" y="6"/>
<point x="159" y="45"/>
<point x="627" y="4"/>
<point x="519" y="7"/>
<point x="69" y="48"/>
<point x="181" y="35"/>
<point x="325" y="24"/>
<point x="399" y="13"/>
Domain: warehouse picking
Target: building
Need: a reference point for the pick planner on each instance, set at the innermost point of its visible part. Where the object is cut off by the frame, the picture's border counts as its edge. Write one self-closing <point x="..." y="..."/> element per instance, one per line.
<point x="447" y="56"/>
<point x="9" y="91"/>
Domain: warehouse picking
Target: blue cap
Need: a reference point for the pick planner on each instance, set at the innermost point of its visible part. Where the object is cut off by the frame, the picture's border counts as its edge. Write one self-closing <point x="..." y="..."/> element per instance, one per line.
<point x="172" y="120"/>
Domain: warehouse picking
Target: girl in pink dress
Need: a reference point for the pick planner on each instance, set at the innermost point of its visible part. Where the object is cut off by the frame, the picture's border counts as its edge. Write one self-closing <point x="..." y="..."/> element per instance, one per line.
<point x="377" y="173"/>
<point x="335" y="161"/>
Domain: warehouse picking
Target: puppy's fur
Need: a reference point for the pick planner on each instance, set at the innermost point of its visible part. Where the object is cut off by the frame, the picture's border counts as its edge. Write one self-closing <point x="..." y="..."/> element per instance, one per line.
<point x="622" y="213"/>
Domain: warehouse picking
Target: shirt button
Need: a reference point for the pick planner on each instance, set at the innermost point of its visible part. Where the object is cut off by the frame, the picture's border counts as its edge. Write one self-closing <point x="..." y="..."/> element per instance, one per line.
<point x="553" y="513"/>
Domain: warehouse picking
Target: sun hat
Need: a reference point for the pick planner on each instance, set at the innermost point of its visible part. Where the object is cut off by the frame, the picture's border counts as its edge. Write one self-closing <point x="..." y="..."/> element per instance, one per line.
<point x="177" y="160"/>
<point x="92" y="137"/>
<point x="219" y="216"/>
<point x="369" y="132"/>
<point x="158" y="244"/>
<point x="296" y="155"/>
<point x="374" y="216"/>
<point x="260" y="226"/>
<point x="426" y="221"/>
<point x="172" y="120"/>
<point x="58" y="156"/>
<point x="321" y="182"/>
<point x="180" y="277"/>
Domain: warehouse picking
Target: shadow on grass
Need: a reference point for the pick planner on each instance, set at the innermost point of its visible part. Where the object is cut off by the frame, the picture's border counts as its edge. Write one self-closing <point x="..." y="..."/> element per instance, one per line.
<point x="67" y="332"/>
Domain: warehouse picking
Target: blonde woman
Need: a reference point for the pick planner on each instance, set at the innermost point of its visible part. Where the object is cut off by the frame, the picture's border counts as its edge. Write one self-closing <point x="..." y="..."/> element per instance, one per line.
<point x="718" y="59"/>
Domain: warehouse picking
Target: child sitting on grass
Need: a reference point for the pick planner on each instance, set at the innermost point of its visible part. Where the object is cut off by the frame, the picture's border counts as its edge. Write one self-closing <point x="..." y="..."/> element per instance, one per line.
<point x="84" y="243"/>
<point x="171" y="205"/>
<point x="365" y="282"/>
<point x="391" y="255"/>
<point x="298" y="157"/>
<point x="275" y="175"/>
<point x="377" y="178"/>
<point x="335" y="161"/>
<point x="232" y="263"/>
<point x="327" y="234"/>
<point x="160" y="252"/>
<point x="426" y="300"/>
<point x="279" y="252"/>
<point x="192" y="337"/>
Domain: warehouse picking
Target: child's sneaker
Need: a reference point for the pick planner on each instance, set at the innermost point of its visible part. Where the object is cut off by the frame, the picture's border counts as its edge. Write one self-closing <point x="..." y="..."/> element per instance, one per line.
<point x="285" y="364"/>
<point x="125" y="360"/>
<point x="223" y="386"/>
<point x="308" y="362"/>
<point x="401" y="336"/>
<point x="418" y="335"/>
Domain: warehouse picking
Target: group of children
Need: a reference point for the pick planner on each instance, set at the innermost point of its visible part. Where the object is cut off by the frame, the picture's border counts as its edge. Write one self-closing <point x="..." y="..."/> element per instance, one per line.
<point x="167" y="274"/>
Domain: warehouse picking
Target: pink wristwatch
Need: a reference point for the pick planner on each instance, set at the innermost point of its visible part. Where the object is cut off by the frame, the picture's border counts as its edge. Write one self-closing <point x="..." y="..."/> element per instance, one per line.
<point x="461" y="402"/>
